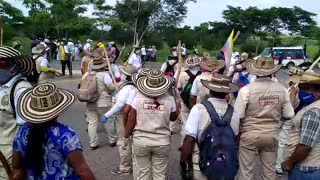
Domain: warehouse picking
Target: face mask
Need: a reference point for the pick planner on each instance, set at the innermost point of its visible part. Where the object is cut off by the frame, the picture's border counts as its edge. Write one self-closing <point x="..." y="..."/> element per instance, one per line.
<point x="137" y="51"/>
<point x="306" y="97"/>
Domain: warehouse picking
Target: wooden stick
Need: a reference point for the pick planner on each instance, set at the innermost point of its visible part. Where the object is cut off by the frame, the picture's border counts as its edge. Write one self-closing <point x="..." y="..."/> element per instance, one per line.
<point x="123" y="47"/>
<point x="130" y="56"/>
<point x="180" y="64"/>
<point x="314" y="64"/>
<point x="6" y="165"/>
<point x="110" y="68"/>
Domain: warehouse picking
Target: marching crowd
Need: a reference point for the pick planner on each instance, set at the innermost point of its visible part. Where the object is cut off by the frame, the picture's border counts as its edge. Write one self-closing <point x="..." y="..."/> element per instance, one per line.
<point x="231" y="117"/>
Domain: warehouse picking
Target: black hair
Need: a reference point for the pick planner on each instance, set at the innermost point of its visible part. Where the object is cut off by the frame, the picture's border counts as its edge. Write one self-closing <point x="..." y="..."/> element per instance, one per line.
<point x="219" y="95"/>
<point x="221" y="71"/>
<point x="37" y="137"/>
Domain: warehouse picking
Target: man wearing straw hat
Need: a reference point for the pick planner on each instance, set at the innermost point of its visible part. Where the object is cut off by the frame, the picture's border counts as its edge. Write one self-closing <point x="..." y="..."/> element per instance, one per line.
<point x="261" y="105"/>
<point x="199" y="119"/>
<point x="170" y="67"/>
<point x="303" y="146"/>
<point x="184" y="86"/>
<point x="198" y="92"/>
<point x="43" y="68"/>
<point x="152" y="110"/>
<point x="14" y="70"/>
<point x="121" y="99"/>
<point x="97" y="109"/>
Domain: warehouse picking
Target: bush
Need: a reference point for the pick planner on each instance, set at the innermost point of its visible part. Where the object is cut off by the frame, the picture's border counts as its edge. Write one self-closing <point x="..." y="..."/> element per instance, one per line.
<point x="25" y="43"/>
<point x="250" y="46"/>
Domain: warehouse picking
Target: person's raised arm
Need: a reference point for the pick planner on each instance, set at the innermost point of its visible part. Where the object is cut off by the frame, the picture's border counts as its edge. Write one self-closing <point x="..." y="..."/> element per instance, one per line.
<point x="18" y="169"/>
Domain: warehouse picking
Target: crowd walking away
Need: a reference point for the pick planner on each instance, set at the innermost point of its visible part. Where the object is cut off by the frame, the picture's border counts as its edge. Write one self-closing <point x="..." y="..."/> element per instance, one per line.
<point x="234" y="118"/>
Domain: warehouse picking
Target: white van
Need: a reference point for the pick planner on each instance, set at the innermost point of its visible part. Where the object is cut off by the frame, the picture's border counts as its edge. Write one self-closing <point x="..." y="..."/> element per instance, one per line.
<point x="292" y="56"/>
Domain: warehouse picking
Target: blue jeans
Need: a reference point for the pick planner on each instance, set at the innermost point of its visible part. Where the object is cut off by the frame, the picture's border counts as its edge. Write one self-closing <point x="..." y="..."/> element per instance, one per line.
<point x="297" y="174"/>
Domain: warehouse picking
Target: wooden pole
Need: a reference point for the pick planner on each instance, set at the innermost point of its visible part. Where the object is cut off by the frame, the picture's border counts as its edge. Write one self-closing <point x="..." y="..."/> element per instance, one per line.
<point x="180" y="64"/>
<point x="110" y="68"/>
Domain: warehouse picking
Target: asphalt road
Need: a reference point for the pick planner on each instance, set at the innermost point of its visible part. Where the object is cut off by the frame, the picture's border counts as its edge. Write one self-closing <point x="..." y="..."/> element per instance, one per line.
<point x="104" y="159"/>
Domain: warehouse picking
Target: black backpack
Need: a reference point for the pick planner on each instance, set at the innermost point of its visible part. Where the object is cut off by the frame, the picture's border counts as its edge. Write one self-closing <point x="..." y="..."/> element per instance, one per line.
<point x="218" y="155"/>
<point x="185" y="94"/>
<point x="170" y="69"/>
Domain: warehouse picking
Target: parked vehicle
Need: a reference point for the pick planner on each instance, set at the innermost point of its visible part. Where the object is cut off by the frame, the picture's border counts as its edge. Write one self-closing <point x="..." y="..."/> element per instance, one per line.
<point x="291" y="56"/>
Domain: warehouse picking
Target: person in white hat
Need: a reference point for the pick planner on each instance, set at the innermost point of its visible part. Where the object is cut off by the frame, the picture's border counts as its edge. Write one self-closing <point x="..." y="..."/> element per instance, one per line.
<point x="43" y="147"/>
<point x="95" y="110"/>
<point x="15" y="76"/>
<point x="151" y="111"/>
<point x="121" y="99"/>
<point x="198" y="92"/>
<point x="261" y="105"/>
<point x="185" y="83"/>
<point x="43" y="66"/>
<point x="88" y="46"/>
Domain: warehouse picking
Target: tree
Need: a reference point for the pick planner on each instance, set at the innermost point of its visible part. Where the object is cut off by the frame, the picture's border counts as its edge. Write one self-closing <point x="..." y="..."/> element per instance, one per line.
<point x="142" y="16"/>
<point x="10" y="13"/>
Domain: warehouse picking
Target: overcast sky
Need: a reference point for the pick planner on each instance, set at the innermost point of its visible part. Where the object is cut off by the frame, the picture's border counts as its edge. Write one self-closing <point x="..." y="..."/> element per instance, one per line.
<point x="211" y="10"/>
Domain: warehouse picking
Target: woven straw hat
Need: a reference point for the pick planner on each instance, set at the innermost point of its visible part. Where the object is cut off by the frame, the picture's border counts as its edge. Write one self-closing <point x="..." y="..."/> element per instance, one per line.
<point x="154" y="84"/>
<point x="262" y="67"/>
<point x="38" y="49"/>
<point x="137" y="75"/>
<point x="219" y="83"/>
<point x="99" y="61"/>
<point x="192" y="60"/>
<point x="43" y="103"/>
<point x="212" y="65"/>
<point x="25" y="64"/>
<point x="128" y="69"/>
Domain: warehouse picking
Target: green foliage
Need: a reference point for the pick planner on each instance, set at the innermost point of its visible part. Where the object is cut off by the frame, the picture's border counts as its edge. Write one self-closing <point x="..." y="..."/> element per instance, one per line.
<point x="25" y="44"/>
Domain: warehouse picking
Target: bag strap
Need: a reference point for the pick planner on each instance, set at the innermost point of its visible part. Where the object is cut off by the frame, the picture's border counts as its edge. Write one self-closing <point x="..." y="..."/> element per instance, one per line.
<point x="192" y="77"/>
<point x="215" y="119"/>
<point x="12" y="96"/>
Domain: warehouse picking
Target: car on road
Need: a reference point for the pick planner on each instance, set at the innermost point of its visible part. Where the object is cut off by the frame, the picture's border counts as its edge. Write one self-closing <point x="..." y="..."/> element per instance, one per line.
<point x="292" y="56"/>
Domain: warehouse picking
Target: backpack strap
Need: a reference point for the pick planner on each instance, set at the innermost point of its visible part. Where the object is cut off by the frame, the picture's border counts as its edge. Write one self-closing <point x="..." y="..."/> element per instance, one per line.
<point x="215" y="119"/>
<point x="192" y="77"/>
<point x="12" y="96"/>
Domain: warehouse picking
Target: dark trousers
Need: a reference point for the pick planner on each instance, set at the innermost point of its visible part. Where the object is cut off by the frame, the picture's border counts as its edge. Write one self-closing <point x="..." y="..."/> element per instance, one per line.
<point x="63" y="64"/>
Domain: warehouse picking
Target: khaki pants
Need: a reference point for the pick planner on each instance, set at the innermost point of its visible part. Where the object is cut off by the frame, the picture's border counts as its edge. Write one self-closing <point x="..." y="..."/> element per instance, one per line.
<point x="151" y="162"/>
<point x="266" y="147"/>
<point x="94" y="115"/>
<point x="125" y="154"/>
<point x="7" y="152"/>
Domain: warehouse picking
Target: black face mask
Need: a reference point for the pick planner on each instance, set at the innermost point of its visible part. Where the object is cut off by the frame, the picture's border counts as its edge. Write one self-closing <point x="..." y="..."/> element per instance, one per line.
<point x="8" y="70"/>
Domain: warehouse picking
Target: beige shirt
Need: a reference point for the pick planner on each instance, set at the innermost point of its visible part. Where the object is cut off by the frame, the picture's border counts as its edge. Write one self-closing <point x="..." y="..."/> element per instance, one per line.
<point x="199" y="120"/>
<point x="261" y="105"/>
<point x="152" y="126"/>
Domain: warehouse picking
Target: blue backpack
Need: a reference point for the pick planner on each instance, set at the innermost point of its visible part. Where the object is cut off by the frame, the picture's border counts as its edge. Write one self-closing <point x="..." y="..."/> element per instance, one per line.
<point x="218" y="155"/>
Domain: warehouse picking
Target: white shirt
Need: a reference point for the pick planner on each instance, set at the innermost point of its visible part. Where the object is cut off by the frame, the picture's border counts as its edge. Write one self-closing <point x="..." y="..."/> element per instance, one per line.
<point x="191" y="126"/>
<point x="107" y="80"/>
<point x="143" y="51"/>
<point x="175" y="53"/>
<point x="135" y="60"/>
<point x="87" y="47"/>
<point x="195" y="87"/>
<point x="194" y="71"/>
<point x="66" y="49"/>
<point x="122" y="98"/>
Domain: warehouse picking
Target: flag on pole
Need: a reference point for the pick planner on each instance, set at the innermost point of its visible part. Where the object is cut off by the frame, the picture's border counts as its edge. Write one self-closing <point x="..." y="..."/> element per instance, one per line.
<point x="228" y="49"/>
